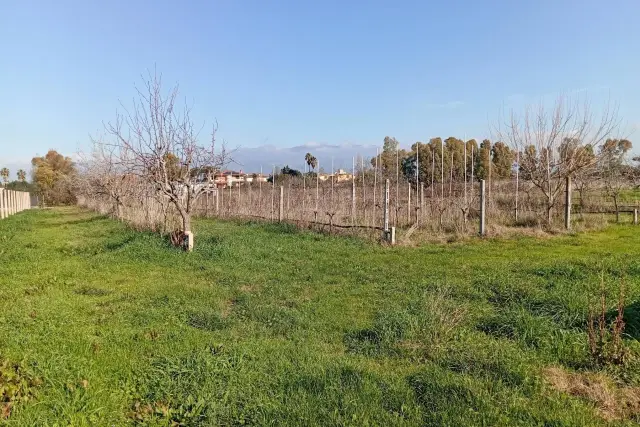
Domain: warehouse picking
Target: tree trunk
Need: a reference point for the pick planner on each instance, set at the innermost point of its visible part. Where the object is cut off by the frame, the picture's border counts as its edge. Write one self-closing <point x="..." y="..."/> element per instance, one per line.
<point x="615" y="204"/>
<point x="549" y="211"/>
<point x="186" y="229"/>
<point x="186" y="222"/>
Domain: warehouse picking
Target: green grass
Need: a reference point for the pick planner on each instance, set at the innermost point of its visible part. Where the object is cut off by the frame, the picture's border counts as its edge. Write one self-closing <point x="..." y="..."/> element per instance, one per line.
<point x="265" y="325"/>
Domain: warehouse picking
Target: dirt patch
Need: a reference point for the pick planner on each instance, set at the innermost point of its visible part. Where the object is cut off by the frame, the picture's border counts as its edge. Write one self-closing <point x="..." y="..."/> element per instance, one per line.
<point x="613" y="402"/>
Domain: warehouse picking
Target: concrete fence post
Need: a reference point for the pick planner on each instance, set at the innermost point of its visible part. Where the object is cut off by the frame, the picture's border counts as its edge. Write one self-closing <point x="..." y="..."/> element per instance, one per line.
<point x="2" y="204"/>
<point x="392" y="236"/>
<point x="421" y="197"/>
<point x="385" y="226"/>
<point x="11" y="203"/>
<point x="635" y="216"/>
<point x="482" y="208"/>
<point x="567" y="204"/>
<point x="353" y="200"/>
<point x="281" y="207"/>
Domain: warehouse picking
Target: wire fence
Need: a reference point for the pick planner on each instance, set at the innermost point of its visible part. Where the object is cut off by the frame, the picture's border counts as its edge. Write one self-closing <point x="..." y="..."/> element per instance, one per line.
<point x="446" y="207"/>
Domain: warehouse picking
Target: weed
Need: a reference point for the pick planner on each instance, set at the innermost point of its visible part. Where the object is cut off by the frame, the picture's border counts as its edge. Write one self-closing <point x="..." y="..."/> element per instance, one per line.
<point x="605" y="339"/>
<point x="17" y="385"/>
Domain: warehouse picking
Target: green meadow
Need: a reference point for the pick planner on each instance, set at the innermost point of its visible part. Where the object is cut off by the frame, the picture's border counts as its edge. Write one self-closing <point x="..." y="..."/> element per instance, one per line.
<point x="264" y="324"/>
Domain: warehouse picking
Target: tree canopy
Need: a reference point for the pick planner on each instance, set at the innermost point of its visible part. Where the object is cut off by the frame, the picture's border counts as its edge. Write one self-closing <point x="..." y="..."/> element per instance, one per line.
<point x="53" y="174"/>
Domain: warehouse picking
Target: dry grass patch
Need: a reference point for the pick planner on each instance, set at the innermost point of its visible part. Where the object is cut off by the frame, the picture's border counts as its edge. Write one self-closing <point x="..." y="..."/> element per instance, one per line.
<point x="227" y="308"/>
<point x="613" y="402"/>
<point x="249" y="288"/>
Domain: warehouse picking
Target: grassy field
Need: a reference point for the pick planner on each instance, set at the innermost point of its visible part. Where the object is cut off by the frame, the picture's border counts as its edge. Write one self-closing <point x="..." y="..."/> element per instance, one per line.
<point x="266" y="325"/>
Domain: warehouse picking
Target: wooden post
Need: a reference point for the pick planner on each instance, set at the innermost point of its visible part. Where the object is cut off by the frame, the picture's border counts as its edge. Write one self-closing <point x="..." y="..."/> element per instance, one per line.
<point x="281" y="207"/>
<point x="635" y="216"/>
<point x="482" y="208"/>
<point x="567" y="204"/>
<point x="386" y="209"/>
<point x="288" y="199"/>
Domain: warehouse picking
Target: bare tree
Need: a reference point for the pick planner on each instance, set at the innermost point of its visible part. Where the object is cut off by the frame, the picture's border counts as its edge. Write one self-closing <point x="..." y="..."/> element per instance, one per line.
<point x="556" y="143"/>
<point x="159" y="143"/>
<point x="102" y="176"/>
<point x="614" y="169"/>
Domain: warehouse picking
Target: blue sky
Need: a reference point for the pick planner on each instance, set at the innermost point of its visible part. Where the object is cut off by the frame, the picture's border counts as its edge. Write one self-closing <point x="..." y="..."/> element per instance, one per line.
<point x="280" y="74"/>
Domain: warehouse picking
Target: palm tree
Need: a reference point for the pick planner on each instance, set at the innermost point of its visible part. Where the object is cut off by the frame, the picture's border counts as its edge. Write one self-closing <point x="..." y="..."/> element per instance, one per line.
<point x="22" y="175"/>
<point x="312" y="162"/>
<point x="4" y="173"/>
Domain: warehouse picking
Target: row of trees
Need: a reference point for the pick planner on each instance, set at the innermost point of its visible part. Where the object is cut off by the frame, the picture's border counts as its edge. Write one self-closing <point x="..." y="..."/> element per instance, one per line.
<point x="5" y="174"/>
<point x="544" y="147"/>
<point x="153" y="149"/>
<point x="447" y="159"/>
